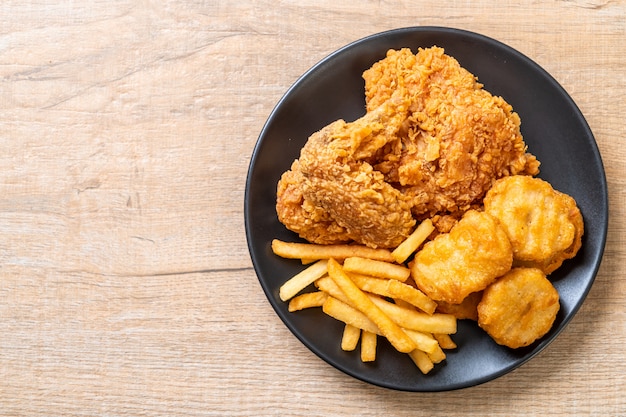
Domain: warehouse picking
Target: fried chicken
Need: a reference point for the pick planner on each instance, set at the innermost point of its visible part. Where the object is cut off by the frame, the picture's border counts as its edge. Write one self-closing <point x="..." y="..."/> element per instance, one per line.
<point x="472" y="256"/>
<point x="430" y="146"/>
<point x="459" y="137"/>
<point x="300" y="215"/>
<point x="337" y="179"/>
<point x="465" y="310"/>
<point x="519" y="307"/>
<point x="545" y="226"/>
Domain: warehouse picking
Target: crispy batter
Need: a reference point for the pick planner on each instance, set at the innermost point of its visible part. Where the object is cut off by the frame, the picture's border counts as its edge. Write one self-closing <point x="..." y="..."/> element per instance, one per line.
<point x="302" y="216"/>
<point x="341" y="184"/>
<point x="519" y="308"/>
<point x="466" y="310"/>
<point x="466" y="260"/>
<point x="431" y="144"/>
<point x="459" y="138"/>
<point x="545" y="226"/>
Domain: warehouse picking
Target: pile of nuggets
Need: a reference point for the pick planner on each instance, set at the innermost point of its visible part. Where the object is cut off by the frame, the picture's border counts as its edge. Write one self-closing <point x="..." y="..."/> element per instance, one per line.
<point x="433" y="144"/>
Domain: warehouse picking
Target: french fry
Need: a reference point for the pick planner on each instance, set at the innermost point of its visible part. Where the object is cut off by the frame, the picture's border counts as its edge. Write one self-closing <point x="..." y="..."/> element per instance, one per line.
<point x="424" y="342"/>
<point x="293" y="250"/>
<point x="395" y="289"/>
<point x="368" y="346"/>
<point x="370" y="284"/>
<point x="303" y="279"/>
<point x="412" y="296"/>
<point x="404" y="304"/>
<point x="376" y="268"/>
<point x="410" y="244"/>
<point x="422" y="361"/>
<point x="349" y="315"/>
<point x="350" y="337"/>
<point x="416" y="320"/>
<point x="327" y="285"/>
<point x="307" y="300"/>
<point x="438" y="355"/>
<point x="354" y="319"/>
<point x="363" y="303"/>
<point x="445" y="341"/>
<point x="405" y="317"/>
<point x="354" y="293"/>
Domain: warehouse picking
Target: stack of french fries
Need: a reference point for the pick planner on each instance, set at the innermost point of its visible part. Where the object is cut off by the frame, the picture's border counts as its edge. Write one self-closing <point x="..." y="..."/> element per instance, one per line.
<point x="370" y="290"/>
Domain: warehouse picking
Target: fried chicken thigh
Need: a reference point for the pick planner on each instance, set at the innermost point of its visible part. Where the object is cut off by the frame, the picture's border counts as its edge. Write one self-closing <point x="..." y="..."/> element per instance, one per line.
<point x="459" y="137"/>
<point x="430" y="145"/>
<point x="336" y="179"/>
<point x="311" y="222"/>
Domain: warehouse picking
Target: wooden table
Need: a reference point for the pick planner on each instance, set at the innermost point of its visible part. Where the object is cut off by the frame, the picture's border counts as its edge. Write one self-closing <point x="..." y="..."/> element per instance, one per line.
<point x="126" y="129"/>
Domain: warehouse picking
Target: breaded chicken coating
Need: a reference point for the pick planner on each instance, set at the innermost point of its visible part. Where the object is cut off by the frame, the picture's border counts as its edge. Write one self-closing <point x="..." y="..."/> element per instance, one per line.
<point x="430" y="145"/>
<point x="469" y="258"/>
<point x="518" y="308"/>
<point x="459" y="138"/>
<point x="545" y="226"/>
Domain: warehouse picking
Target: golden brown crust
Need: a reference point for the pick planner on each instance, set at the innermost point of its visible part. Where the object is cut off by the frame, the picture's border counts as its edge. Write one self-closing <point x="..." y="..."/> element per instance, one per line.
<point x="545" y="226"/>
<point x="301" y="215"/>
<point x="338" y="178"/>
<point x="466" y="260"/>
<point x="519" y="308"/>
<point x="466" y="310"/>
<point x="459" y="138"/>
<point x="431" y="144"/>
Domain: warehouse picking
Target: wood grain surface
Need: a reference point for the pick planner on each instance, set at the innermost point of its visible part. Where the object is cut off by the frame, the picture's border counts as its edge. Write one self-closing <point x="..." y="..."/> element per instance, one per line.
<point x="126" y="130"/>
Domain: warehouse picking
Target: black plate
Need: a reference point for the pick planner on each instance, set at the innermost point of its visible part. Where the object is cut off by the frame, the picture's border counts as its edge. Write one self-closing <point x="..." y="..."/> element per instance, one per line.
<point x="554" y="130"/>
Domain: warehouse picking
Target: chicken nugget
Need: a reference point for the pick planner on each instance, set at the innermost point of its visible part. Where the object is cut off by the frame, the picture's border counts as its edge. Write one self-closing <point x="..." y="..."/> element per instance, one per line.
<point x="466" y="260"/>
<point x="466" y="310"/>
<point x="545" y="226"/>
<point x="518" y="308"/>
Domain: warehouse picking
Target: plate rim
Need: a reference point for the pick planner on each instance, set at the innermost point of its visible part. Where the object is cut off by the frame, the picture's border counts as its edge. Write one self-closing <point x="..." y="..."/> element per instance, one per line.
<point x="597" y="260"/>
